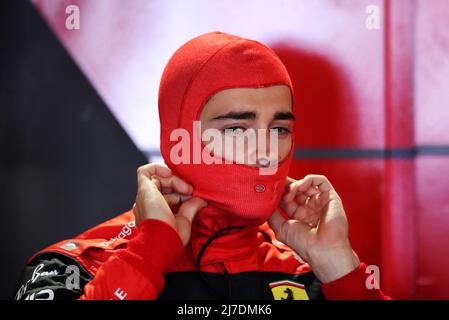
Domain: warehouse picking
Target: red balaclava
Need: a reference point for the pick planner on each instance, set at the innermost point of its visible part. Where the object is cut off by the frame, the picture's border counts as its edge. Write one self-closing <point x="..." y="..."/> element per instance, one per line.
<point x="236" y="193"/>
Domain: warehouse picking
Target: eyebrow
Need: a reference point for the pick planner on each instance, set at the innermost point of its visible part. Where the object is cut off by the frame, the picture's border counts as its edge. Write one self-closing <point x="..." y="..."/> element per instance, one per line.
<point x="237" y="116"/>
<point x="249" y="115"/>
<point x="284" y="116"/>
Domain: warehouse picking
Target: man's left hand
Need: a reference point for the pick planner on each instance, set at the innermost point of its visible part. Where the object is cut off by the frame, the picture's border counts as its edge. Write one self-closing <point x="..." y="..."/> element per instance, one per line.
<point x="317" y="228"/>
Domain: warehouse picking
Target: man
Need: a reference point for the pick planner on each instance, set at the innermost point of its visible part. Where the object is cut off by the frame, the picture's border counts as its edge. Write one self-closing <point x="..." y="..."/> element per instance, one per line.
<point x="198" y="228"/>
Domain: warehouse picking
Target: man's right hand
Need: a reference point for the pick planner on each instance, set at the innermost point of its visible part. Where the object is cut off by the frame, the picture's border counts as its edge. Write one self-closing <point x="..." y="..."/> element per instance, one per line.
<point x="157" y="191"/>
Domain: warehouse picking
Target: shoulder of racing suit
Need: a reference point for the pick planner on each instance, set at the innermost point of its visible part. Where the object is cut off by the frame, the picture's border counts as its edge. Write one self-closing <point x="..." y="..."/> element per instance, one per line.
<point x="61" y="270"/>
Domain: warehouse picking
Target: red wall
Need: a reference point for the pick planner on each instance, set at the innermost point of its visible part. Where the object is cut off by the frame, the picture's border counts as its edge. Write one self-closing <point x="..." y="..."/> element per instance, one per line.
<point x="390" y="165"/>
<point x="431" y="120"/>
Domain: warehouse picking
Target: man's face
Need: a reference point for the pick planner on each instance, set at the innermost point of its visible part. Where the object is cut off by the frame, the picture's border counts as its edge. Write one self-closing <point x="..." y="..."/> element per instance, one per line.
<point x="240" y="111"/>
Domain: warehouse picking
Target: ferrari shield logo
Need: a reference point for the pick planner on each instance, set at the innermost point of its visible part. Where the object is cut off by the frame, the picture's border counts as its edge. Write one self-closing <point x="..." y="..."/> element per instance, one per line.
<point x="288" y="290"/>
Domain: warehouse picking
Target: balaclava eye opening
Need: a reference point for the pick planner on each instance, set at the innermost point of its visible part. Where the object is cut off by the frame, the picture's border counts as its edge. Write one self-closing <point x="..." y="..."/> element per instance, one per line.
<point x="200" y="68"/>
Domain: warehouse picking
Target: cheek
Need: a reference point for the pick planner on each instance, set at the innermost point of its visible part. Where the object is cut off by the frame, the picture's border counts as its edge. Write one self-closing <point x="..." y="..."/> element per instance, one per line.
<point x="227" y="148"/>
<point x="220" y="146"/>
<point x="284" y="148"/>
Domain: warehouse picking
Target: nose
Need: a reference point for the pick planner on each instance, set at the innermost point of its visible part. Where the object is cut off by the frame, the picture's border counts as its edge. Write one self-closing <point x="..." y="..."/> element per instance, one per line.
<point x="263" y="162"/>
<point x="263" y="151"/>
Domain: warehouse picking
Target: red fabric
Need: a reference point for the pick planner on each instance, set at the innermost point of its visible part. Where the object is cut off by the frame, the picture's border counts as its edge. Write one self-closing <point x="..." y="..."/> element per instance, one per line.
<point x="352" y="287"/>
<point x="137" y="273"/>
<point x="115" y="271"/>
<point x="148" y="251"/>
<point x="197" y="70"/>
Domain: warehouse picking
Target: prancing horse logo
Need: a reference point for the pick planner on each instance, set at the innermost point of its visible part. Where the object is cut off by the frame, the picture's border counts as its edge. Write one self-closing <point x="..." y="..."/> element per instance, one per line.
<point x="289" y="293"/>
<point x="288" y="290"/>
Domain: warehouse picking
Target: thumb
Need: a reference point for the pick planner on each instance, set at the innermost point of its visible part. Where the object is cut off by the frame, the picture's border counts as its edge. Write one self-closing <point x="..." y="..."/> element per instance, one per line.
<point x="190" y="208"/>
<point x="277" y="222"/>
<point x="187" y="211"/>
<point x="291" y="232"/>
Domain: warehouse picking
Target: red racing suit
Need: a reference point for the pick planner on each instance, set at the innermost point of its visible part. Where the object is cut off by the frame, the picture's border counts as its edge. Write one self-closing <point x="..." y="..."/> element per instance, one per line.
<point x="116" y="260"/>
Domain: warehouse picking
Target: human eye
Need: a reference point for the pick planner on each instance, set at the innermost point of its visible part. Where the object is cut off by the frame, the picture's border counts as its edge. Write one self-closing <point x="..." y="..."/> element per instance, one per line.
<point x="233" y="130"/>
<point x="281" y="131"/>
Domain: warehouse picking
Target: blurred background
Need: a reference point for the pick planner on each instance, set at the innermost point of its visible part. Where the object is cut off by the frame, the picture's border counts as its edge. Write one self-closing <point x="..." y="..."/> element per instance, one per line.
<point x="78" y="96"/>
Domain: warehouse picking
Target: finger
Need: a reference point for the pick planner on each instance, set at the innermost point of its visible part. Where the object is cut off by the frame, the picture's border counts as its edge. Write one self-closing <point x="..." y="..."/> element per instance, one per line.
<point x="301" y="198"/>
<point x="276" y="222"/>
<point x="288" y="182"/>
<point x="291" y="232"/>
<point x="290" y="191"/>
<point x="310" y="186"/>
<point x="167" y="190"/>
<point x="185" y="198"/>
<point x="311" y="192"/>
<point x="191" y="207"/>
<point x="318" y="202"/>
<point x="148" y="186"/>
<point x="176" y="184"/>
<point x="156" y="182"/>
<point x="299" y="211"/>
<point x="299" y="208"/>
<point x="151" y="169"/>
<point x="289" y="207"/>
<point x="307" y="215"/>
<point x="313" y="180"/>
<point x="303" y="214"/>
<point x="185" y="216"/>
<point x="322" y="199"/>
<point x="294" y="189"/>
<point x="173" y="199"/>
